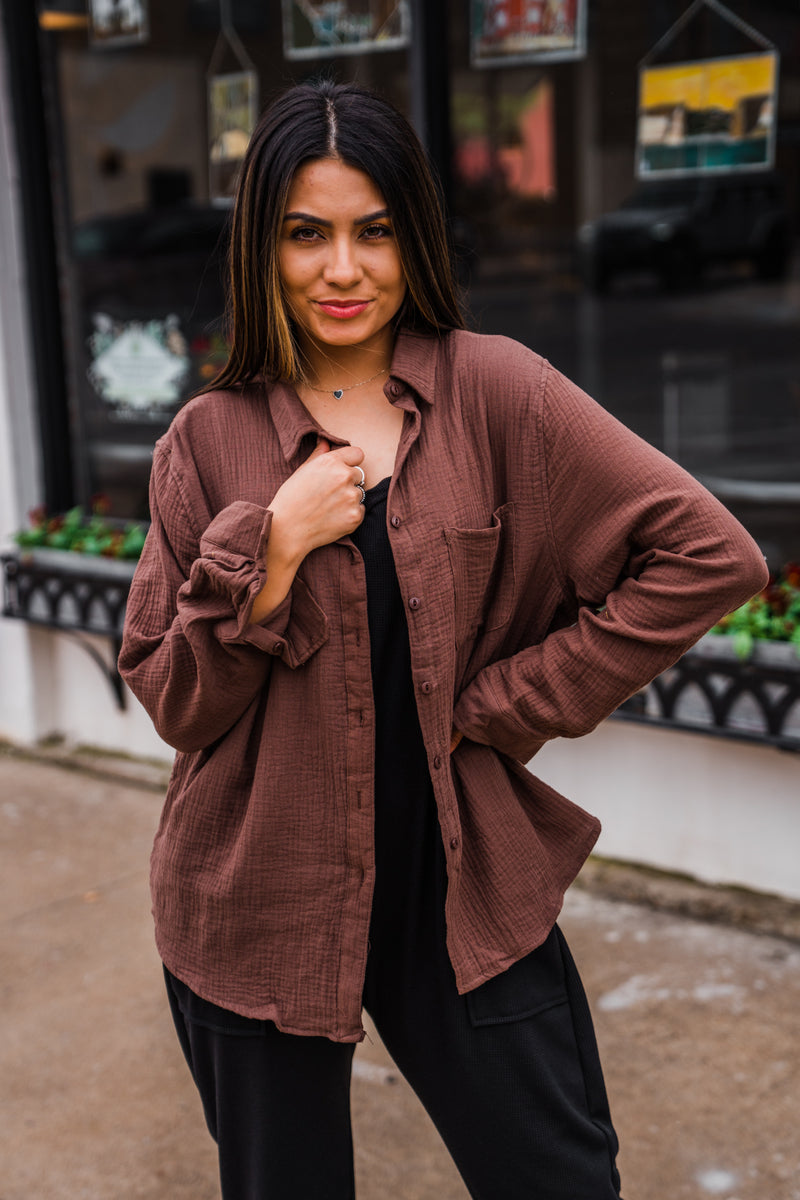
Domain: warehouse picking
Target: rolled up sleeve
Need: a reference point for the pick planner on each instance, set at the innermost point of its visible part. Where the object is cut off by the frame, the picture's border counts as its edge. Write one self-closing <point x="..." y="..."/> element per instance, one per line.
<point x="189" y="651"/>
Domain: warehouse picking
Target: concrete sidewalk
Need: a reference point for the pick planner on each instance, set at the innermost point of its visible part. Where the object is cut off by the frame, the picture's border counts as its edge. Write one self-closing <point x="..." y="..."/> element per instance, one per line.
<point x="698" y="1026"/>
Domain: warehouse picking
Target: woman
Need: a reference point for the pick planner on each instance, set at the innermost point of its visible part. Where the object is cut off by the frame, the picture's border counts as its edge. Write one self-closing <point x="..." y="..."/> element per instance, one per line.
<point x="389" y="559"/>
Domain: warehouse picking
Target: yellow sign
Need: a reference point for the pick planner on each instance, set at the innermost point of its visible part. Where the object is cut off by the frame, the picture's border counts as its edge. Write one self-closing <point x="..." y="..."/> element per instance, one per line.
<point x="715" y="115"/>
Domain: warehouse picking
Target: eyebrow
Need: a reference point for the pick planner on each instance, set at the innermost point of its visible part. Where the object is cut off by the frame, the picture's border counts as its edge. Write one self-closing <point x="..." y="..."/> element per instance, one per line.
<point x="312" y="220"/>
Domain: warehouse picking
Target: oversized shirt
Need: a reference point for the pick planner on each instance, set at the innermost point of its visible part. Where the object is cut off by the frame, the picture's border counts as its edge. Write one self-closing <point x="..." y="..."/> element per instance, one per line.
<point x="551" y="563"/>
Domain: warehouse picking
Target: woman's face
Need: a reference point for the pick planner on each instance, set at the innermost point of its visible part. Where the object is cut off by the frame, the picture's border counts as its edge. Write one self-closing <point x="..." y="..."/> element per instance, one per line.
<point x="339" y="263"/>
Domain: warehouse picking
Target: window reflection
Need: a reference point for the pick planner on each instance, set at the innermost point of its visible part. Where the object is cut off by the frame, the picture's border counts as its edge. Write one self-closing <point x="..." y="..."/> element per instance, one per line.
<point x="674" y="301"/>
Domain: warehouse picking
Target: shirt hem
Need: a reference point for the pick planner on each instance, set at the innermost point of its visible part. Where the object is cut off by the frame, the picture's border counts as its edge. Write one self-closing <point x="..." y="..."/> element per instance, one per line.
<point x="266" y="1012"/>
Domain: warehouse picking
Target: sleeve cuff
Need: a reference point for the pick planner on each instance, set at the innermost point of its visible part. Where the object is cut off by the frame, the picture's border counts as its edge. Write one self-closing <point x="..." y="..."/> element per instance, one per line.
<point x="294" y="631"/>
<point x="478" y="715"/>
<point x="240" y="531"/>
<point x="233" y="549"/>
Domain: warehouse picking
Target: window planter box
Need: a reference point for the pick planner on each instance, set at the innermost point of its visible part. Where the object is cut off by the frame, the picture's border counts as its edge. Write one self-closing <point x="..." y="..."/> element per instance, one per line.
<point x="73" y="593"/>
<point x="71" y="562"/>
<point x="711" y="690"/>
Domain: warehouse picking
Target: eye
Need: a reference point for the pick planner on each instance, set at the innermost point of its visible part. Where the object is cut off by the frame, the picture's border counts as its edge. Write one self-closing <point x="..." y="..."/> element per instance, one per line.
<point x="304" y="233"/>
<point x="376" y="232"/>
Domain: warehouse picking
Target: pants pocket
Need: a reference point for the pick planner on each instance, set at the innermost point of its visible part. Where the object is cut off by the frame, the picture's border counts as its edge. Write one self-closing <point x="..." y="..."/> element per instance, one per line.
<point x="526" y="988"/>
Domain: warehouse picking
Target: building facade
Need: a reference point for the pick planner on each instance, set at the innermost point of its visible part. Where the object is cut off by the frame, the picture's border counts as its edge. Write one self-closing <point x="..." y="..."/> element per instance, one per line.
<point x="674" y="299"/>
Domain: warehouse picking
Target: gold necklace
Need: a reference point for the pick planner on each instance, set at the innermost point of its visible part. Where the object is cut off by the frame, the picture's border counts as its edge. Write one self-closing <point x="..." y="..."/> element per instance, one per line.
<point x="337" y="393"/>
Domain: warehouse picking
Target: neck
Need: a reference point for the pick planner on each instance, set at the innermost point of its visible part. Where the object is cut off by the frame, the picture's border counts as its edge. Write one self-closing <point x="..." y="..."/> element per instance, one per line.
<point x="332" y="367"/>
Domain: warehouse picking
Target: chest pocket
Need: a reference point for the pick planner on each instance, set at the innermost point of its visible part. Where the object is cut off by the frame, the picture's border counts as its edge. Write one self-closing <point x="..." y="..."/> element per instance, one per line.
<point x="482" y="567"/>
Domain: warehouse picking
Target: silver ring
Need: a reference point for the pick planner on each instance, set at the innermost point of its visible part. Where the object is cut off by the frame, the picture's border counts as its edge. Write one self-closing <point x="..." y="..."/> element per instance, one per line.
<point x="363" y="477"/>
<point x="362" y="489"/>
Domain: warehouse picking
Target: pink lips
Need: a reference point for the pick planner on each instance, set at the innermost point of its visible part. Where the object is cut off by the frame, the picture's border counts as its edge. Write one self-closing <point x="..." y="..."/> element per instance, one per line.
<point x="342" y="309"/>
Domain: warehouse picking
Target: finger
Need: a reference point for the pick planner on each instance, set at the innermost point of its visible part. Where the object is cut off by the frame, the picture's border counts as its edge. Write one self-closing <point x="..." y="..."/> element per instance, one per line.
<point x="353" y="456"/>
<point x="359" y="517"/>
<point x="322" y="447"/>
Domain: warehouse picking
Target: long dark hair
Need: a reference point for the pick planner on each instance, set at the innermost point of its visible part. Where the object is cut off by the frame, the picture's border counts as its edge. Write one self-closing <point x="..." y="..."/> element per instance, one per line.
<point x="317" y="120"/>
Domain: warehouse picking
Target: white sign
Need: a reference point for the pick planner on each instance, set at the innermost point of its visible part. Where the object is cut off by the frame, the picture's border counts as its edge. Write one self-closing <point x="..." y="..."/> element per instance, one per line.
<point x="138" y="366"/>
<point x="118" y="22"/>
<point x="316" y="28"/>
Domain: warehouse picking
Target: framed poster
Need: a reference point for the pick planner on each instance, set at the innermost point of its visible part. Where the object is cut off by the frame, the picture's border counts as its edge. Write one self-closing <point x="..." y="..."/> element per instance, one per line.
<point x="232" y="110"/>
<point x="712" y="115"/>
<point x="115" y="23"/>
<point x="511" y="32"/>
<point x="320" y="28"/>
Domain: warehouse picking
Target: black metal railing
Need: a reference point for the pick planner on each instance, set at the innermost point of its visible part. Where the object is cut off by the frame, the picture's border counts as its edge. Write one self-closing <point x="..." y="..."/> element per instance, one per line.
<point x="705" y="692"/>
<point x="752" y="700"/>
<point x="76" y="596"/>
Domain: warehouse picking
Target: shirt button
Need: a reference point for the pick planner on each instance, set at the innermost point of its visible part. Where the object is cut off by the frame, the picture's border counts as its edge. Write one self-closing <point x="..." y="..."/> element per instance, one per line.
<point x="278" y="647"/>
<point x="395" y="388"/>
<point x="426" y="687"/>
<point x="453" y="843"/>
<point x="437" y="762"/>
<point x="395" y="522"/>
<point x="414" y="603"/>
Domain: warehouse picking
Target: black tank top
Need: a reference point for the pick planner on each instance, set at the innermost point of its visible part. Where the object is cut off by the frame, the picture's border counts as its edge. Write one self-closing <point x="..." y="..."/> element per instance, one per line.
<point x="405" y="814"/>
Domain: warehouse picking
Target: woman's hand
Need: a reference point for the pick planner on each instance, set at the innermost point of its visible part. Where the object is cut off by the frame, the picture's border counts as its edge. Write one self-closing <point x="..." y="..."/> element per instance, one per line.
<point x="317" y="504"/>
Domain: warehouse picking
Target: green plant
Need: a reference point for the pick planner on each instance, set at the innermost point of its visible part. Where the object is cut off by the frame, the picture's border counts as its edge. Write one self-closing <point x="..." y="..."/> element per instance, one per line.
<point x="773" y="615"/>
<point x="96" y="534"/>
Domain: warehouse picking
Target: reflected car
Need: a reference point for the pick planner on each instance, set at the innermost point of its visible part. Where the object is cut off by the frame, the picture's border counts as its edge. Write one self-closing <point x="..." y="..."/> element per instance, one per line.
<point x="150" y="232"/>
<point x="676" y="228"/>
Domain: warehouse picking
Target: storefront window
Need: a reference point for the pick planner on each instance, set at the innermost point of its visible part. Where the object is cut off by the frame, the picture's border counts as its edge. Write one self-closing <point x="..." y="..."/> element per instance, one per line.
<point x="146" y="135"/>
<point x="623" y="181"/>
<point x="645" y="241"/>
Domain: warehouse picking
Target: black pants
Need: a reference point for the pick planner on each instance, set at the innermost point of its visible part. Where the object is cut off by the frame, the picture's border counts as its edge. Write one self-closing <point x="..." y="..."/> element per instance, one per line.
<point x="509" y="1074"/>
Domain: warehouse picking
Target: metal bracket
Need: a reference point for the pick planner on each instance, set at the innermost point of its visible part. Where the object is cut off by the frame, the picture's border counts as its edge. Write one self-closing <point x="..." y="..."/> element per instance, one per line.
<point x="74" y="596"/>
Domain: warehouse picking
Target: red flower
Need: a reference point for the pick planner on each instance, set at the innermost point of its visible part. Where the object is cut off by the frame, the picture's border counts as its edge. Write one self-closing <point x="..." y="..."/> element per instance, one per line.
<point x="101" y="505"/>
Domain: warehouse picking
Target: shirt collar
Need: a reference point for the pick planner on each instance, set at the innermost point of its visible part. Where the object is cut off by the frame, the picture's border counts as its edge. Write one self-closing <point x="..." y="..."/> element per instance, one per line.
<point x="413" y="363"/>
<point x="291" y="418"/>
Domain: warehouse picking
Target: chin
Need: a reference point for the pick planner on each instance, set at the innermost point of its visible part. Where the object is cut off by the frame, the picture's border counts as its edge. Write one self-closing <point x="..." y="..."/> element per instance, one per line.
<point x="346" y="335"/>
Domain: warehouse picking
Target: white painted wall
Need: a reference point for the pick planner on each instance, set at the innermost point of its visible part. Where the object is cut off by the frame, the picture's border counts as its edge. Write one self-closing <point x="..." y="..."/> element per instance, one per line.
<point x="719" y="810"/>
<point x="81" y="707"/>
<point x="20" y="486"/>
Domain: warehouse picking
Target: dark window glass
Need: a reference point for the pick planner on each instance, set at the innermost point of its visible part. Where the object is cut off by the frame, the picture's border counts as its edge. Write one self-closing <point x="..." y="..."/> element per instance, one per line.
<point x="142" y="208"/>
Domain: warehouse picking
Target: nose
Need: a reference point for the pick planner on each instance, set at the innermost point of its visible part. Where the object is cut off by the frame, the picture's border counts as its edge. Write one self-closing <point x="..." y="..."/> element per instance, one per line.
<point x="342" y="268"/>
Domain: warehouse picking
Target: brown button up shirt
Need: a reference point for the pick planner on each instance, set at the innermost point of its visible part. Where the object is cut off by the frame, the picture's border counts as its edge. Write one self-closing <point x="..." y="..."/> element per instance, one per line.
<point x="552" y="564"/>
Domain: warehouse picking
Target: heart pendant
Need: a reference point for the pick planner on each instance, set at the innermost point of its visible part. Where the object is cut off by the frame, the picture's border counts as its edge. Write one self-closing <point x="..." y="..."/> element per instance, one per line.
<point x="337" y="395"/>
